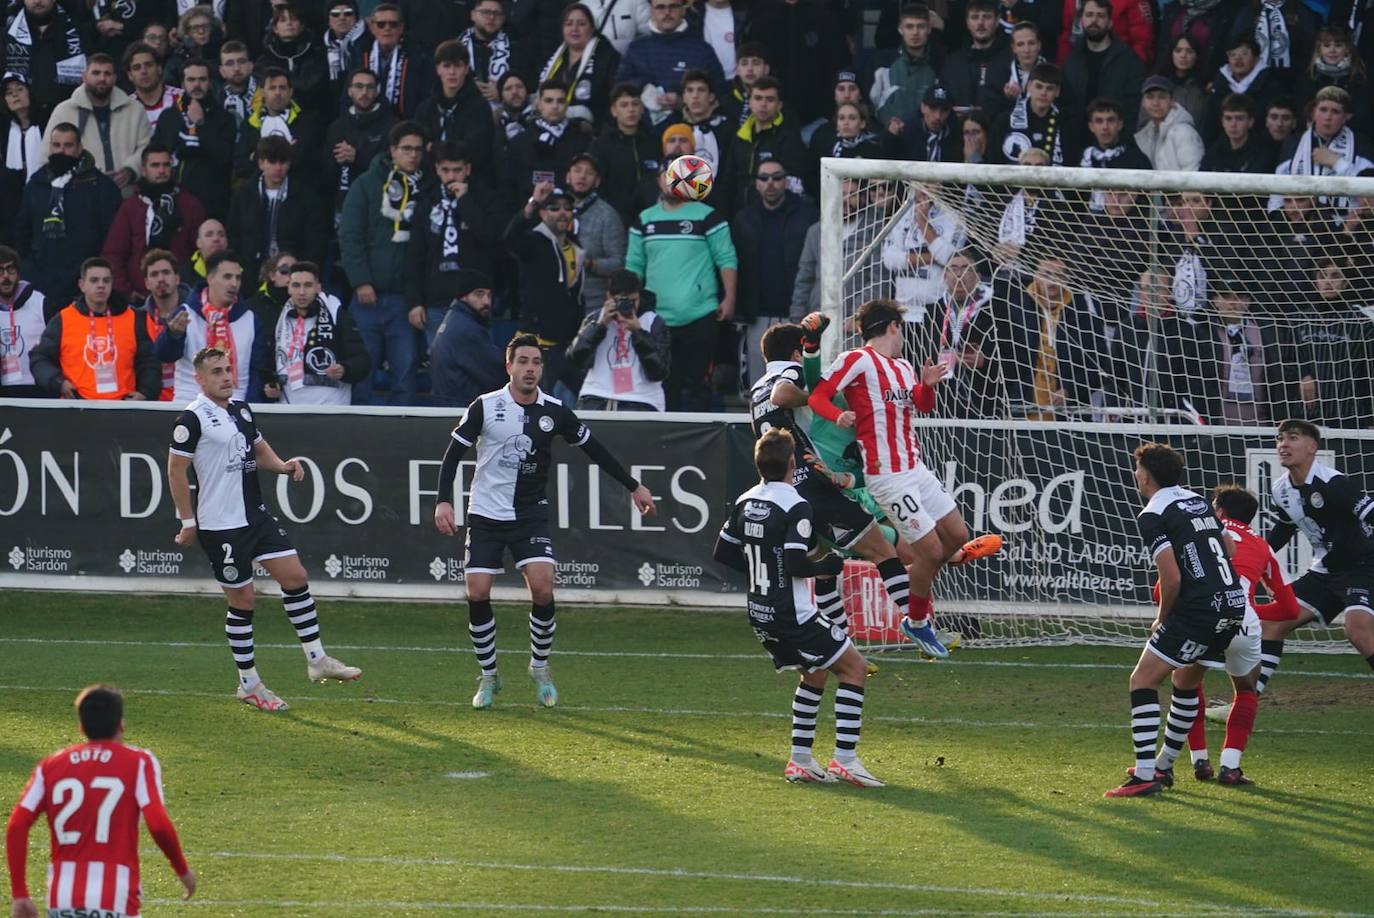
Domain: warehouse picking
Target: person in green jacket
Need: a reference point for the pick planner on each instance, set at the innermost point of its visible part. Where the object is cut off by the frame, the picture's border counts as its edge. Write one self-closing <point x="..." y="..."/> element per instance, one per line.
<point x="374" y="227"/>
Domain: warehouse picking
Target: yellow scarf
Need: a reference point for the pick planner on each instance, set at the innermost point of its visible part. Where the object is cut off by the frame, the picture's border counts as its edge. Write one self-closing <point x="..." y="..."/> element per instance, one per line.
<point x="1046" y="372"/>
<point x="750" y="125"/>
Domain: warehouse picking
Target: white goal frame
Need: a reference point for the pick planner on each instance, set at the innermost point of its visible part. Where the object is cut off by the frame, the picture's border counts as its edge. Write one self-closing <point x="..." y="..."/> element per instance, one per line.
<point x="834" y="273"/>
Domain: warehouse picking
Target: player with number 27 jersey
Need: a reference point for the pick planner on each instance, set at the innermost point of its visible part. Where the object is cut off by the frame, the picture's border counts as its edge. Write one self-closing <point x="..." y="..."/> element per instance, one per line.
<point x="94" y="795"/>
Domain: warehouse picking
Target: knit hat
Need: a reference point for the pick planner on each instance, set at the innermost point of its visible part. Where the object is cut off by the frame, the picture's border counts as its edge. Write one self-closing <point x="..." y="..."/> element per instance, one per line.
<point x="679" y="130"/>
<point x="470" y="280"/>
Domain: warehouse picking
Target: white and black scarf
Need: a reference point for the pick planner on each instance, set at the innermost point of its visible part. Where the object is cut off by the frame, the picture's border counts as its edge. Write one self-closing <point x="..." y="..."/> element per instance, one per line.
<point x="216" y="6"/>
<point x="318" y="351"/>
<point x="240" y="104"/>
<point x="549" y="134"/>
<point x="1094" y="157"/>
<point x="398" y="202"/>
<point x="499" y="47"/>
<point x="577" y="81"/>
<point x="19" y="42"/>
<point x="1020" y="123"/>
<point x="1021" y="77"/>
<point x="845" y="146"/>
<point x="393" y="74"/>
<point x="1355" y="21"/>
<point x="1334" y="72"/>
<point x="1190" y="280"/>
<point x="339" y="50"/>
<point x="273" y="212"/>
<point x="1343" y="145"/>
<point x="161" y="219"/>
<point x="55" y="223"/>
<point x="122" y="10"/>
<point x="22" y="148"/>
<point x="1242" y="85"/>
<point x="1271" y="34"/>
<point x="443" y="223"/>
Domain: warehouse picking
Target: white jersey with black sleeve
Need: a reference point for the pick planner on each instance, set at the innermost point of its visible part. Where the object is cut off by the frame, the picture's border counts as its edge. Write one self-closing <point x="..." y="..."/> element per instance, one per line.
<point x="220" y="443"/>
<point x="768" y="520"/>
<point x="514" y="452"/>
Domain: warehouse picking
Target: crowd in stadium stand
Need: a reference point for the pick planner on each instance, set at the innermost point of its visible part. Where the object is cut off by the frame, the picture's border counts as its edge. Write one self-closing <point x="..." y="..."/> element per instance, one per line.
<point x="404" y="185"/>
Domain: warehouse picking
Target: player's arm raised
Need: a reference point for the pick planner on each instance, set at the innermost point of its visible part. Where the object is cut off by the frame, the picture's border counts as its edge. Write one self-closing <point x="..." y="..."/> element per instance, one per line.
<point x="923" y="396"/>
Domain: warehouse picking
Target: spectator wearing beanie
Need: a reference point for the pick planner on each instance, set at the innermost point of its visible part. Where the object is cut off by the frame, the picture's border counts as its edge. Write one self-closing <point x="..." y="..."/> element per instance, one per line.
<point x="464" y="361"/>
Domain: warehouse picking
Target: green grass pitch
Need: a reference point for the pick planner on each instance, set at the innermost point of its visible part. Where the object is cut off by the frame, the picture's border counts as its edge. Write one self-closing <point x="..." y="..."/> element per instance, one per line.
<point x="656" y="787"/>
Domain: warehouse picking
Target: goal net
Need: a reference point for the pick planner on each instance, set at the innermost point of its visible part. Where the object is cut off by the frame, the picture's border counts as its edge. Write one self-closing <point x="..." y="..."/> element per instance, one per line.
<point x="1083" y="311"/>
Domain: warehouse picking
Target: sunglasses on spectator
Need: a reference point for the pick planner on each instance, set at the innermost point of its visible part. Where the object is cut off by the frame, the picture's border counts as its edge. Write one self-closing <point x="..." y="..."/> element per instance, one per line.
<point x="387" y="23"/>
<point x="771" y="176"/>
<point x="286" y="269"/>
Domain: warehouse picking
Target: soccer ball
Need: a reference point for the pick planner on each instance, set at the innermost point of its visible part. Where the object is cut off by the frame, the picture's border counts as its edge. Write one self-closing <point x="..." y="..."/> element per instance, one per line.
<point x="690" y="178"/>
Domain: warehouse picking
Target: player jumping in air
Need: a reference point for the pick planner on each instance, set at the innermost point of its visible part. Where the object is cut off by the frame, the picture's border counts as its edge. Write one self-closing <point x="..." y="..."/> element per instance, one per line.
<point x="883" y="395"/>
<point x="94" y="795"/>
<point x="1202" y="608"/>
<point x="219" y="437"/>
<point x="1254" y="563"/>
<point x="1335" y="515"/>
<point x="513" y="429"/>
<point x="768" y="536"/>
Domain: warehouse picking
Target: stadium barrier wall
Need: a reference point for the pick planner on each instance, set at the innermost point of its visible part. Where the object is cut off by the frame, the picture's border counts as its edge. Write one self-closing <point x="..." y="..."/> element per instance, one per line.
<point x="84" y="505"/>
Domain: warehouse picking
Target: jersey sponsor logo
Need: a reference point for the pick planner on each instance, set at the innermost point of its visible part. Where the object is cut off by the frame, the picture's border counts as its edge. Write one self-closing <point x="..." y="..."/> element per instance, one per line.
<point x="515" y="451"/>
<point x="82" y="913"/>
<point x="546" y="423"/>
<point x="181" y="433"/>
<point x="41" y="559"/>
<point x="246" y="414"/>
<point x="1193" y="505"/>
<point x="896" y="395"/>
<point x="757" y="510"/>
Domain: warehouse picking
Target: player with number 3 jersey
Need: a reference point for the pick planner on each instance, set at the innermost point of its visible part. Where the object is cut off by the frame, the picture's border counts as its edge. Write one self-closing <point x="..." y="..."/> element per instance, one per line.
<point x="94" y="795"/>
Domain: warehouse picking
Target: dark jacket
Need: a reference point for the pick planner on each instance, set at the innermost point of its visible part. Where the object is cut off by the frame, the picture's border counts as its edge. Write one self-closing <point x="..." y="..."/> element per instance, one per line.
<point x="307" y="136"/>
<point x="349" y="350"/>
<point x="205" y="159"/>
<point x="662" y="59"/>
<point x="752" y="145"/>
<point x="1080" y="343"/>
<point x="1257" y="156"/>
<point x="526" y="155"/>
<point x="417" y="73"/>
<point x="465" y="119"/>
<point x="367" y="134"/>
<point x="127" y="241"/>
<point x="654" y="347"/>
<point x="428" y="22"/>
<point x="430" y="279"/>
<point x="589" y="95"/>
<point x="626" y="161"/>
<point x="306" y="60"/>
<point x="464" y="361"/>
<point x="769" y="247"/>
<point x="301" y="224"/>
<point x="914" y="142"/>
<point x="366" y="237"/>
<point x="89" y="206"/>
<point x="548" y="306"/>
<point x="806" y="45"/>
<point x="45" y="359"/>
<point x="37" y="62"/>
<point x="1122" y="74"/>
<point x="975" y="77"/>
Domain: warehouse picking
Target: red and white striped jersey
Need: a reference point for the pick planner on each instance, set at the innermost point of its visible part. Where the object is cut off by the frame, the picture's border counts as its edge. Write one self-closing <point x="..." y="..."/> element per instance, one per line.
<point x="885" y="393"/>
<point x="94" y="795"/>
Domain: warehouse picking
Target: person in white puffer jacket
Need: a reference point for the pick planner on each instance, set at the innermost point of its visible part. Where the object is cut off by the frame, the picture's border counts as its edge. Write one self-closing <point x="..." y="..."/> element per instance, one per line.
<point x="1168" y="138"/>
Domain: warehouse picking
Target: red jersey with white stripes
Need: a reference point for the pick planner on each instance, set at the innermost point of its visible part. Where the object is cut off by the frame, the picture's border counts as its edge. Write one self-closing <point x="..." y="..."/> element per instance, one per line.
<point x="93" y="795"/>
<point x="885" y="393"/>
<point x="1255" y="563"/>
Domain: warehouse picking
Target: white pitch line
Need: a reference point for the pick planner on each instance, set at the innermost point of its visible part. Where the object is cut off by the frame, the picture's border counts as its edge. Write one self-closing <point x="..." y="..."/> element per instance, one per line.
<point x="667" y="712"/>
<point x="779" y="879"/>
<point x="644" y="655"/>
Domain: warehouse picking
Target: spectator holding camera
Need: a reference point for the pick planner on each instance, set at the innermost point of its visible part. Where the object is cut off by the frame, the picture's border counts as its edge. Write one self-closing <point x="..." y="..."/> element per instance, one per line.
<point x="624" y="349"/>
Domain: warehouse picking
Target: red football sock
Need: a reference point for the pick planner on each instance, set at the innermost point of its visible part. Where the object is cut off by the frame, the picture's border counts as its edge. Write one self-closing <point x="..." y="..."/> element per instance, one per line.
<point x="920" y="608"/>
<point x="1241" y="721"/>
<point x="1197" y="736"/>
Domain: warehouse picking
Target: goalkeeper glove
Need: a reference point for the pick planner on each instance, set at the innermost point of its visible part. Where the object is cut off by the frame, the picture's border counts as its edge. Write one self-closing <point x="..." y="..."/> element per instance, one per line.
<point x="813" y="326"/>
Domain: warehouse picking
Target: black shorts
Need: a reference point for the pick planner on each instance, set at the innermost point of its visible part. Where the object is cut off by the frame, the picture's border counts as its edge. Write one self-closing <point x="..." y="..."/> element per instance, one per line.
<point x="809" y="647"/>
<point x="233" y="551"/>
<point x="837" y="518"/>
<point x="484" y="551"/>
<point x="1327" y="595"/>
<point x="1191" y="636"/>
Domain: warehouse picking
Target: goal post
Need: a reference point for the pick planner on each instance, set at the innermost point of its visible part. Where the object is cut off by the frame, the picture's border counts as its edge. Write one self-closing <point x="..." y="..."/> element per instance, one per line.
<point x="1083" y="311"/>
